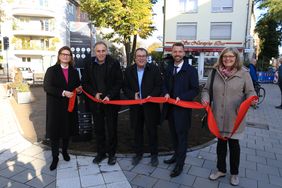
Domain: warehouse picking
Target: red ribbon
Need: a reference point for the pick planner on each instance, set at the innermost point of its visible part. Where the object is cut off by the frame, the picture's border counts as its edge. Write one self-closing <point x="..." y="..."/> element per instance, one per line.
<point x="195" y="105"/>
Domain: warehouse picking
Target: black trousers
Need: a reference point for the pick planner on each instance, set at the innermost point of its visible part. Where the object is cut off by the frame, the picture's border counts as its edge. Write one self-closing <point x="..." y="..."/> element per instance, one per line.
<point x="179" y="133"/>
<point x="234" y="153"/>
<point x="55" y="145"/>
<point x="105" y="120"/>
<point x="139" y="120"/>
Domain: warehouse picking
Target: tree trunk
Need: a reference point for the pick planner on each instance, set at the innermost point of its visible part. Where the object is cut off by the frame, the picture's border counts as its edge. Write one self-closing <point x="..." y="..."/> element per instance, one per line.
<point x="133" y="48"/>
<point x="127" y="50"/>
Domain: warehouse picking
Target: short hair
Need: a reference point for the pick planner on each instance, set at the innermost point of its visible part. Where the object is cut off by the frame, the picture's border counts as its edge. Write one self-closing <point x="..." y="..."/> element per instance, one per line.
<point x="238" y="64"/>
<point x="100" y="42"/>
<point x="141" y="49"/>
<point x="71" y="56"/>
<point x="178" y="44"/>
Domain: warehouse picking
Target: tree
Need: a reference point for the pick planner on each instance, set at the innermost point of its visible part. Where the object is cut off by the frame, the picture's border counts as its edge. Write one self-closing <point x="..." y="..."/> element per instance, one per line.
<point x="127" y="18"/>
<point x="1" y="12"/>
<point x="274" y="8"/>
<point x="270" y="38"/>
<point x="269" y="29"/>
<point x="153" y="47"/>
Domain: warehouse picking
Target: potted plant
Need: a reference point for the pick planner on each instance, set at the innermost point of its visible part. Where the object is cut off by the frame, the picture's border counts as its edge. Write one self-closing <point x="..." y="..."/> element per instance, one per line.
<point x="20" y="90"/>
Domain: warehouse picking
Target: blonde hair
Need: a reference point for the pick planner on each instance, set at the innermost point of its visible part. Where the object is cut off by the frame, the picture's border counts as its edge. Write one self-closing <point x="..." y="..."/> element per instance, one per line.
<point x="238" y="64"/>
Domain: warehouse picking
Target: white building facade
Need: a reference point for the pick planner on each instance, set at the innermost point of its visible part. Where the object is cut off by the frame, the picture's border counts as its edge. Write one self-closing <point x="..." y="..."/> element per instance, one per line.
<point x="36" y="30"/>
<point x="206" y="27"/>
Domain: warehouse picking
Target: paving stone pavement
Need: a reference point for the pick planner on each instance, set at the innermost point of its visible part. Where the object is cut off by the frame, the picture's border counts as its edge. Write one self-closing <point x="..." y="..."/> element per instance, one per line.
<point x="23" y="164"/>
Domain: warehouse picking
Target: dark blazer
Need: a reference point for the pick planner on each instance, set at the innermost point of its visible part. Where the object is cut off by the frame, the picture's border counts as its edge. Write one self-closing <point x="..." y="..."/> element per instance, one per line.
<point x="113" y="79"/>
<point x="151" y="86"/>
<point x="185" y="85"/>
<point x="59" y="122"/>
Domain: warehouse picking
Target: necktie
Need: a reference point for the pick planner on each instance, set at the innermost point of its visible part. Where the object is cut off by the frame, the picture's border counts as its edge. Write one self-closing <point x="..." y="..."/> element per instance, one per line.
<point x="175" y="70"/>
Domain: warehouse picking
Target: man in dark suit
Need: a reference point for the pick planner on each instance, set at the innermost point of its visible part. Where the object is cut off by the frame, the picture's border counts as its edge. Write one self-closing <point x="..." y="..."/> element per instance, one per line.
<point x="103" y="79"/>
<point x="143" y="80"/>
<point x="181" y="83"/>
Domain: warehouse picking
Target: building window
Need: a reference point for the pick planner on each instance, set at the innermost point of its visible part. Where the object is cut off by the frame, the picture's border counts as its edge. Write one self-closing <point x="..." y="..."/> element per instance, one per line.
<point x="186" y="31"/>
<point x="188" y="5"/>
<point x="26" y="59"/>
<point x="222" y="6"/>
<point x="221" y="31"/>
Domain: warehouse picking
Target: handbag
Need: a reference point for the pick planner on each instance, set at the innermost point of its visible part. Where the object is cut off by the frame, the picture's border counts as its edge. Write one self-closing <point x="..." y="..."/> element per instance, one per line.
<point x="204" y="119"/>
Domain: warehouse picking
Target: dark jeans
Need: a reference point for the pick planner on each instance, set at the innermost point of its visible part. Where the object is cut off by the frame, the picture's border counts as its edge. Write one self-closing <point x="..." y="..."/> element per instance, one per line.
<point x="234" y="149"/>
<point x="138" y="122"/>
<point x="105" y="119"/>
<point x="55" y="145"/>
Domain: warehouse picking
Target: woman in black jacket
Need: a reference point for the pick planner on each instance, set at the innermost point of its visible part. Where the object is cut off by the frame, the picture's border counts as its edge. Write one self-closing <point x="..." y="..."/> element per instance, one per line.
<point x="59" y="82"/>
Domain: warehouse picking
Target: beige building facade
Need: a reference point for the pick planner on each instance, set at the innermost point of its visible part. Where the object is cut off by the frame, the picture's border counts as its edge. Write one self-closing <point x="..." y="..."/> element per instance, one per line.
<point x="206" y="27"/>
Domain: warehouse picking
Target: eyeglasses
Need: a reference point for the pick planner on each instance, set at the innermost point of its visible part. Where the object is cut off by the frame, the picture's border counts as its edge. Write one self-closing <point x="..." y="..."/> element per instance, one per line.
<point x="141" y="56"/>
<point x="62" y="54"/>
<point x="228" y="56"/>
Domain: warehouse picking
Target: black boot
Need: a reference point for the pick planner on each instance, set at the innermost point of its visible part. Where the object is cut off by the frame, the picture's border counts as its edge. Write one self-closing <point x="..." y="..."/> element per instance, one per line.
<point x="66" y="156"/>
<point x="54" y="163"/>
<point x="65" y="149"/>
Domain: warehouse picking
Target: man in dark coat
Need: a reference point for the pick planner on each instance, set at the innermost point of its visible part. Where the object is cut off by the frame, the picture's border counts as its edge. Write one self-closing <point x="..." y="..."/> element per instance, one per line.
<point x="181" y="83"/>
<point x="103" y="79"/>
<point x="143" y="80"/>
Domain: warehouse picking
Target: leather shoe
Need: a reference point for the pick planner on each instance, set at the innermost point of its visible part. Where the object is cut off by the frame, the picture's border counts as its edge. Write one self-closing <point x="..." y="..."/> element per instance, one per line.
<point x="99" y="158"/>
<point x="154" y="160"/>
<point x="176" y="171"/>
<point x="66" y="156"/>
<point x="216" y="175"/>
<point x="112" y="160"/>
<point x="171" y="160"/>
<point x="278" y="107"/>
<point x="54" y="163"/>
<point x="136" y="159"/>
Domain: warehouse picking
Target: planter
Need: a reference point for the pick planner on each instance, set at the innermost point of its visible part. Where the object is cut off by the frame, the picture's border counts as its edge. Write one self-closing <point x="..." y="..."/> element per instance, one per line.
<point x="22" y="97"/>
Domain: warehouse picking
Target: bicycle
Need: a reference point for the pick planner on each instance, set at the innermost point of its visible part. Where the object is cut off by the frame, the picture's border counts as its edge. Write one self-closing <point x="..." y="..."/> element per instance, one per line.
<point x="260" y="93"/>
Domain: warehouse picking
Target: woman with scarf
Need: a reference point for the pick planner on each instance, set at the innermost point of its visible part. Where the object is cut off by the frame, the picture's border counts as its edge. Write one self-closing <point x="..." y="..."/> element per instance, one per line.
<point x="232" y="85"/>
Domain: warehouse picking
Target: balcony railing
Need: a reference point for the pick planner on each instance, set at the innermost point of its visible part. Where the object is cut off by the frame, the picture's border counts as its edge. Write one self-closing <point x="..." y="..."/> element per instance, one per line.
<point x="28" y="32"/>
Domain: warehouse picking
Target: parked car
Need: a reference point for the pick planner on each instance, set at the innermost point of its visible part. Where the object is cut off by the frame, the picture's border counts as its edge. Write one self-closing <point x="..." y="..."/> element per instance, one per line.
<point x="27" y="74"/>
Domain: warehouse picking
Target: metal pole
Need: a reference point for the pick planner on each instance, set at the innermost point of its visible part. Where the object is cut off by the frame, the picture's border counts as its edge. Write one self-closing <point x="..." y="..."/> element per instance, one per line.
<point x="7" y="65"/>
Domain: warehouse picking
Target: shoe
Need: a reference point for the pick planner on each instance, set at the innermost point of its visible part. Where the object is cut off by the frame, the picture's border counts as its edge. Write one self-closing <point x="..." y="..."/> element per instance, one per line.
<point x="99" y="158"/>
<point x="54" y="163"/>
<point x="66" y="156"/>
<point x="154" y="160"/>
<point x="234" y="180"/>
<point x="171" y="160"/>
<point x="112" y="160"/>
<point x="176" y="171"/>
<point x="136" y="159"/>
<point x="278" y="107"/>
<point x="216" y="175"/>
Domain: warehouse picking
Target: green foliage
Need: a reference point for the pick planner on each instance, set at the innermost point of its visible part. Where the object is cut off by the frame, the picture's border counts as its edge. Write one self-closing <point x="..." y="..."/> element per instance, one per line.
<point x="270" y="37"/>
<point x="274" y="8"/>
<point x="116" y="53"/>
<point x="157" y="56"/>
<point x="18" y="83"/>
<point x="127" y="18"/>
<point x="269" y="29"/>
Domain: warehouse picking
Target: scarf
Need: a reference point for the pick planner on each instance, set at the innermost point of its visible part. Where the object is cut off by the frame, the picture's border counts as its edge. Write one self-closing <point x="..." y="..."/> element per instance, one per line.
<point x="227" y="72"/>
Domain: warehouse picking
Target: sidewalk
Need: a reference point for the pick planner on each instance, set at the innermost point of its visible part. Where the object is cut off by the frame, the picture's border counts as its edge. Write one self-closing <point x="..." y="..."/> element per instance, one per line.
<point x="25" y="165"/>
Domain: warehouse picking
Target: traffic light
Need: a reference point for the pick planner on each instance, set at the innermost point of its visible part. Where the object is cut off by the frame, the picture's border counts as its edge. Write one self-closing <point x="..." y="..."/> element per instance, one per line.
<point x="6" y="42"/>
